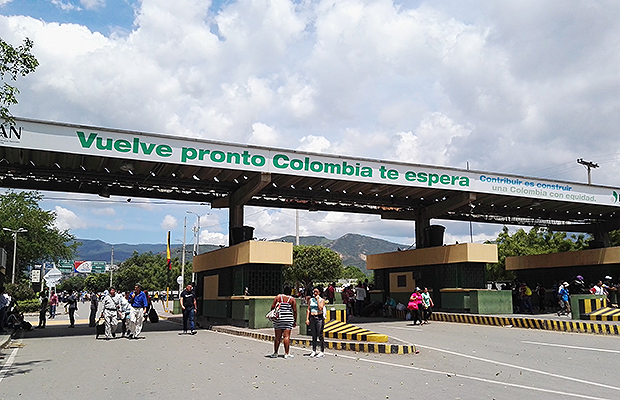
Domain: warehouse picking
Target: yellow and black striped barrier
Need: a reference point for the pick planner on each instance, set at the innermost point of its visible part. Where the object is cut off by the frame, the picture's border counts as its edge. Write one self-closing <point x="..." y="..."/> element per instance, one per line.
<point x="603" y="314"/>
<point x="530" y="323"/>
<point x="340" y="330"/>
<point x="586" y="306"/>
<point x="336" y="315"/>
<point x="382" y="348"/>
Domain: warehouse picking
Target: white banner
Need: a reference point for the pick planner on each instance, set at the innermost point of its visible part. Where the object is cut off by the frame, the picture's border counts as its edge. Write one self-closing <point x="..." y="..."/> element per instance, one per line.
<point x="158" y="148"/>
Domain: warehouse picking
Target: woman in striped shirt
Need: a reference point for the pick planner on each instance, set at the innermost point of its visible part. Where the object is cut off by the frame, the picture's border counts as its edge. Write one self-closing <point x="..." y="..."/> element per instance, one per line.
<point x="285" y="322"/>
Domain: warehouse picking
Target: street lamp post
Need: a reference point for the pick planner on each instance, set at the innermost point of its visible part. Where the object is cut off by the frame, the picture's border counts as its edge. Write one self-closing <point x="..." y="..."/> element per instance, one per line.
<point x="15" y="232"/>
<point x="196" y="230"/>
<point x="111" y="265"/>
<point x="183" y="256"/>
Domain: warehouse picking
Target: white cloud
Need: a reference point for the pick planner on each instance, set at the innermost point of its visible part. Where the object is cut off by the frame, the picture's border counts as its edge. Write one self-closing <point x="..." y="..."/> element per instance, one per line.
<point x="169" y="223"/>
<point x="92" y="4"/>
<point x="65" y="6"/>
<point x="263" y="135"/>
<point x="107" y="211"/>
<point x="432" y="141"/>
<point x="316" y="144"/>
<point x="67" y="219"/>
<point x="115" y="227"/>
<point x="506" y="86"/>
<point x="216" y="238"/>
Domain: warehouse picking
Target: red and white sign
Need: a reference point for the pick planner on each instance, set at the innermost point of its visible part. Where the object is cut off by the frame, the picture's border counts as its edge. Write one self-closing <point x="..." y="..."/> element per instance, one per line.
<point x="83" y="267"/>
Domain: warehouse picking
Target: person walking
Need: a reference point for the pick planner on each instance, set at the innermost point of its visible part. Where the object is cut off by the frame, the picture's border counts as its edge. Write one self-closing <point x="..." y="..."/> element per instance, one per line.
<point x="415" y="303"/>
<point x="53" y="304"/>
<point x="125" y="312"/>
<point x="188" y="304"/>
<point x="564" y="303"/>
<point x="316" y="321"/>
<point x="94" y="305"/>
<point x="139" y="303"/>
<point x="286" y="321"/>
<point x="4" y="308"/>
<point x="427" y="305"/>
<point x="525" y="295"/>
<point x="72" y="305"/>
<point x="110" y="312"/>
<point x="541" y="292"/>
<point x="330" y="293"/>
<point x="360" y="299"/>
<point x="43" y="301"/>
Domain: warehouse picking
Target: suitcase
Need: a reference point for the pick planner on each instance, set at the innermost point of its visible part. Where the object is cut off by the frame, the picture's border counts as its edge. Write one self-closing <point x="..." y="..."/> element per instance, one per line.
<point x="100" y="327"/>
<point x="153" y="317"/>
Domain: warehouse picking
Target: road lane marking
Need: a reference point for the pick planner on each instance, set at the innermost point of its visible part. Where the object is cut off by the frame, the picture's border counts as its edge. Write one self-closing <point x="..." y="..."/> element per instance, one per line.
<point x="357" y="358"/>
<point x="571" y="347"/>
<point x="568" y="378"/>
<point x="525" y="368"/>
<point x="8" y="364"/>
<point x="589" y="396"/>
<point x="406" y="329"/>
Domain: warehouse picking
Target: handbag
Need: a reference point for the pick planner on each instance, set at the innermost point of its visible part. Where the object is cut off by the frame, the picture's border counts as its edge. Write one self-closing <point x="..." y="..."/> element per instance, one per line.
<point x="274" y="314"/>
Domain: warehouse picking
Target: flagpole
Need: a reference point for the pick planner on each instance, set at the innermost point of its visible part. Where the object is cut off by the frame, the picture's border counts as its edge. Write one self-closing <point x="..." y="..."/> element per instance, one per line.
<point x="111" y="265"/>
<point x="169" y="264"/>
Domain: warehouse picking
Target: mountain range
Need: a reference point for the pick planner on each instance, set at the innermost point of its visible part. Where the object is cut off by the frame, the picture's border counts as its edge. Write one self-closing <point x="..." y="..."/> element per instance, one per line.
<point x="353" y="248"/>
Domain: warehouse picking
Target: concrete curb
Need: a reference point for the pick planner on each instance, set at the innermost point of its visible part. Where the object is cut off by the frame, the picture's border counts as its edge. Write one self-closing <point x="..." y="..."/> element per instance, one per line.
<point x="382" y="348"/>
<point x="530" y="323"/>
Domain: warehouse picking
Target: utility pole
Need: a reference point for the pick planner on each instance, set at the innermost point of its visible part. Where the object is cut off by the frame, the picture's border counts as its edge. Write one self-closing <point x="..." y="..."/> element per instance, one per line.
<point x="183" y="256"/>
<point x="14" y="232"/>
<point x="196" y="230"/>
<point x="589" y="166"/>
<point x="111" y="265"/>
<point x="297" y="227"/>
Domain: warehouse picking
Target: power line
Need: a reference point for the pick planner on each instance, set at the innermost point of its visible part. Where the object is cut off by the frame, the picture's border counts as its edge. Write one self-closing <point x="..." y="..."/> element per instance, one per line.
<point x="589" y="166"/>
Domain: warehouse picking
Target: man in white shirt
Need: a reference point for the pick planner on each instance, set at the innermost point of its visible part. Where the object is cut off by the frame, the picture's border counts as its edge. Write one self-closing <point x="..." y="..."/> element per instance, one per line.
<point x="5" y="300"/>
<point x="111" y="306"/>
<point x="360" y="298"/>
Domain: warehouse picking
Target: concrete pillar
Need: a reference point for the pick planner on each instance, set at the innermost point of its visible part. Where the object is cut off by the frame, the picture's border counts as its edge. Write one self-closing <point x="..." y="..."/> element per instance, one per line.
<point x="235" y="220"/>
<point x="421" y="222"/>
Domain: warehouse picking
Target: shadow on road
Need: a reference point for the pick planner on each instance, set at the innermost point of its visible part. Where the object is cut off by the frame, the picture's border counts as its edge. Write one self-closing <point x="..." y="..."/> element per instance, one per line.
<point x="85" y="330"/>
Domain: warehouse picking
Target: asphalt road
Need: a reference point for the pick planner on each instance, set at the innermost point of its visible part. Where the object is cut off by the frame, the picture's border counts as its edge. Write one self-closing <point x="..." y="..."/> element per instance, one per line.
<point x="456" y="361"/>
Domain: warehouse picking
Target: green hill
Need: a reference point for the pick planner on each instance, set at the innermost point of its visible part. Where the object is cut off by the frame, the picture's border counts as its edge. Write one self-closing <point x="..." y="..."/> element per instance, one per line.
<point x="352" y="247"/>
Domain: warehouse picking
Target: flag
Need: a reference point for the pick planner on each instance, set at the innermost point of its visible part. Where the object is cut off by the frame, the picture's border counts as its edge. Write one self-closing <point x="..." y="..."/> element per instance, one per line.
<point x="168" y="254"/>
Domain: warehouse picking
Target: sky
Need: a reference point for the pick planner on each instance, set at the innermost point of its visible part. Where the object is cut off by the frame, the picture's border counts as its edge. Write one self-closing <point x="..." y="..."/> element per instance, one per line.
<point x="521" y="87"/>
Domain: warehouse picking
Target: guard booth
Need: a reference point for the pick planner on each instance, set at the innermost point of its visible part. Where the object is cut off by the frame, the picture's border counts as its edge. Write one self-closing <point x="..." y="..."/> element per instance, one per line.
<point x="447" y="271"/>
<point x="548" y="269"/>
<point x="235" y="285"/>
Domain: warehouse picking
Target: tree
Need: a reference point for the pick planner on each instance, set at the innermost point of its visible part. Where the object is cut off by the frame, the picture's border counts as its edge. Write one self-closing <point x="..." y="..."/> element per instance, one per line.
<point x="313" y="264"/>
<point x="72" y="284"/>
<point x="150" y="271"/>
<point x="351" y="272"/>
<point x="14" y="61"/>
<point x="42" y="241"/>
<point x="536" y="241"/>
<point x="97" y="282"/>
<point x="614" y="238"/>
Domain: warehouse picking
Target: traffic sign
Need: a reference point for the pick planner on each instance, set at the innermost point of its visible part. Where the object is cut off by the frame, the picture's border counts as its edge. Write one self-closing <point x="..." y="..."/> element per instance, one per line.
<point x="52" y="277"/>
